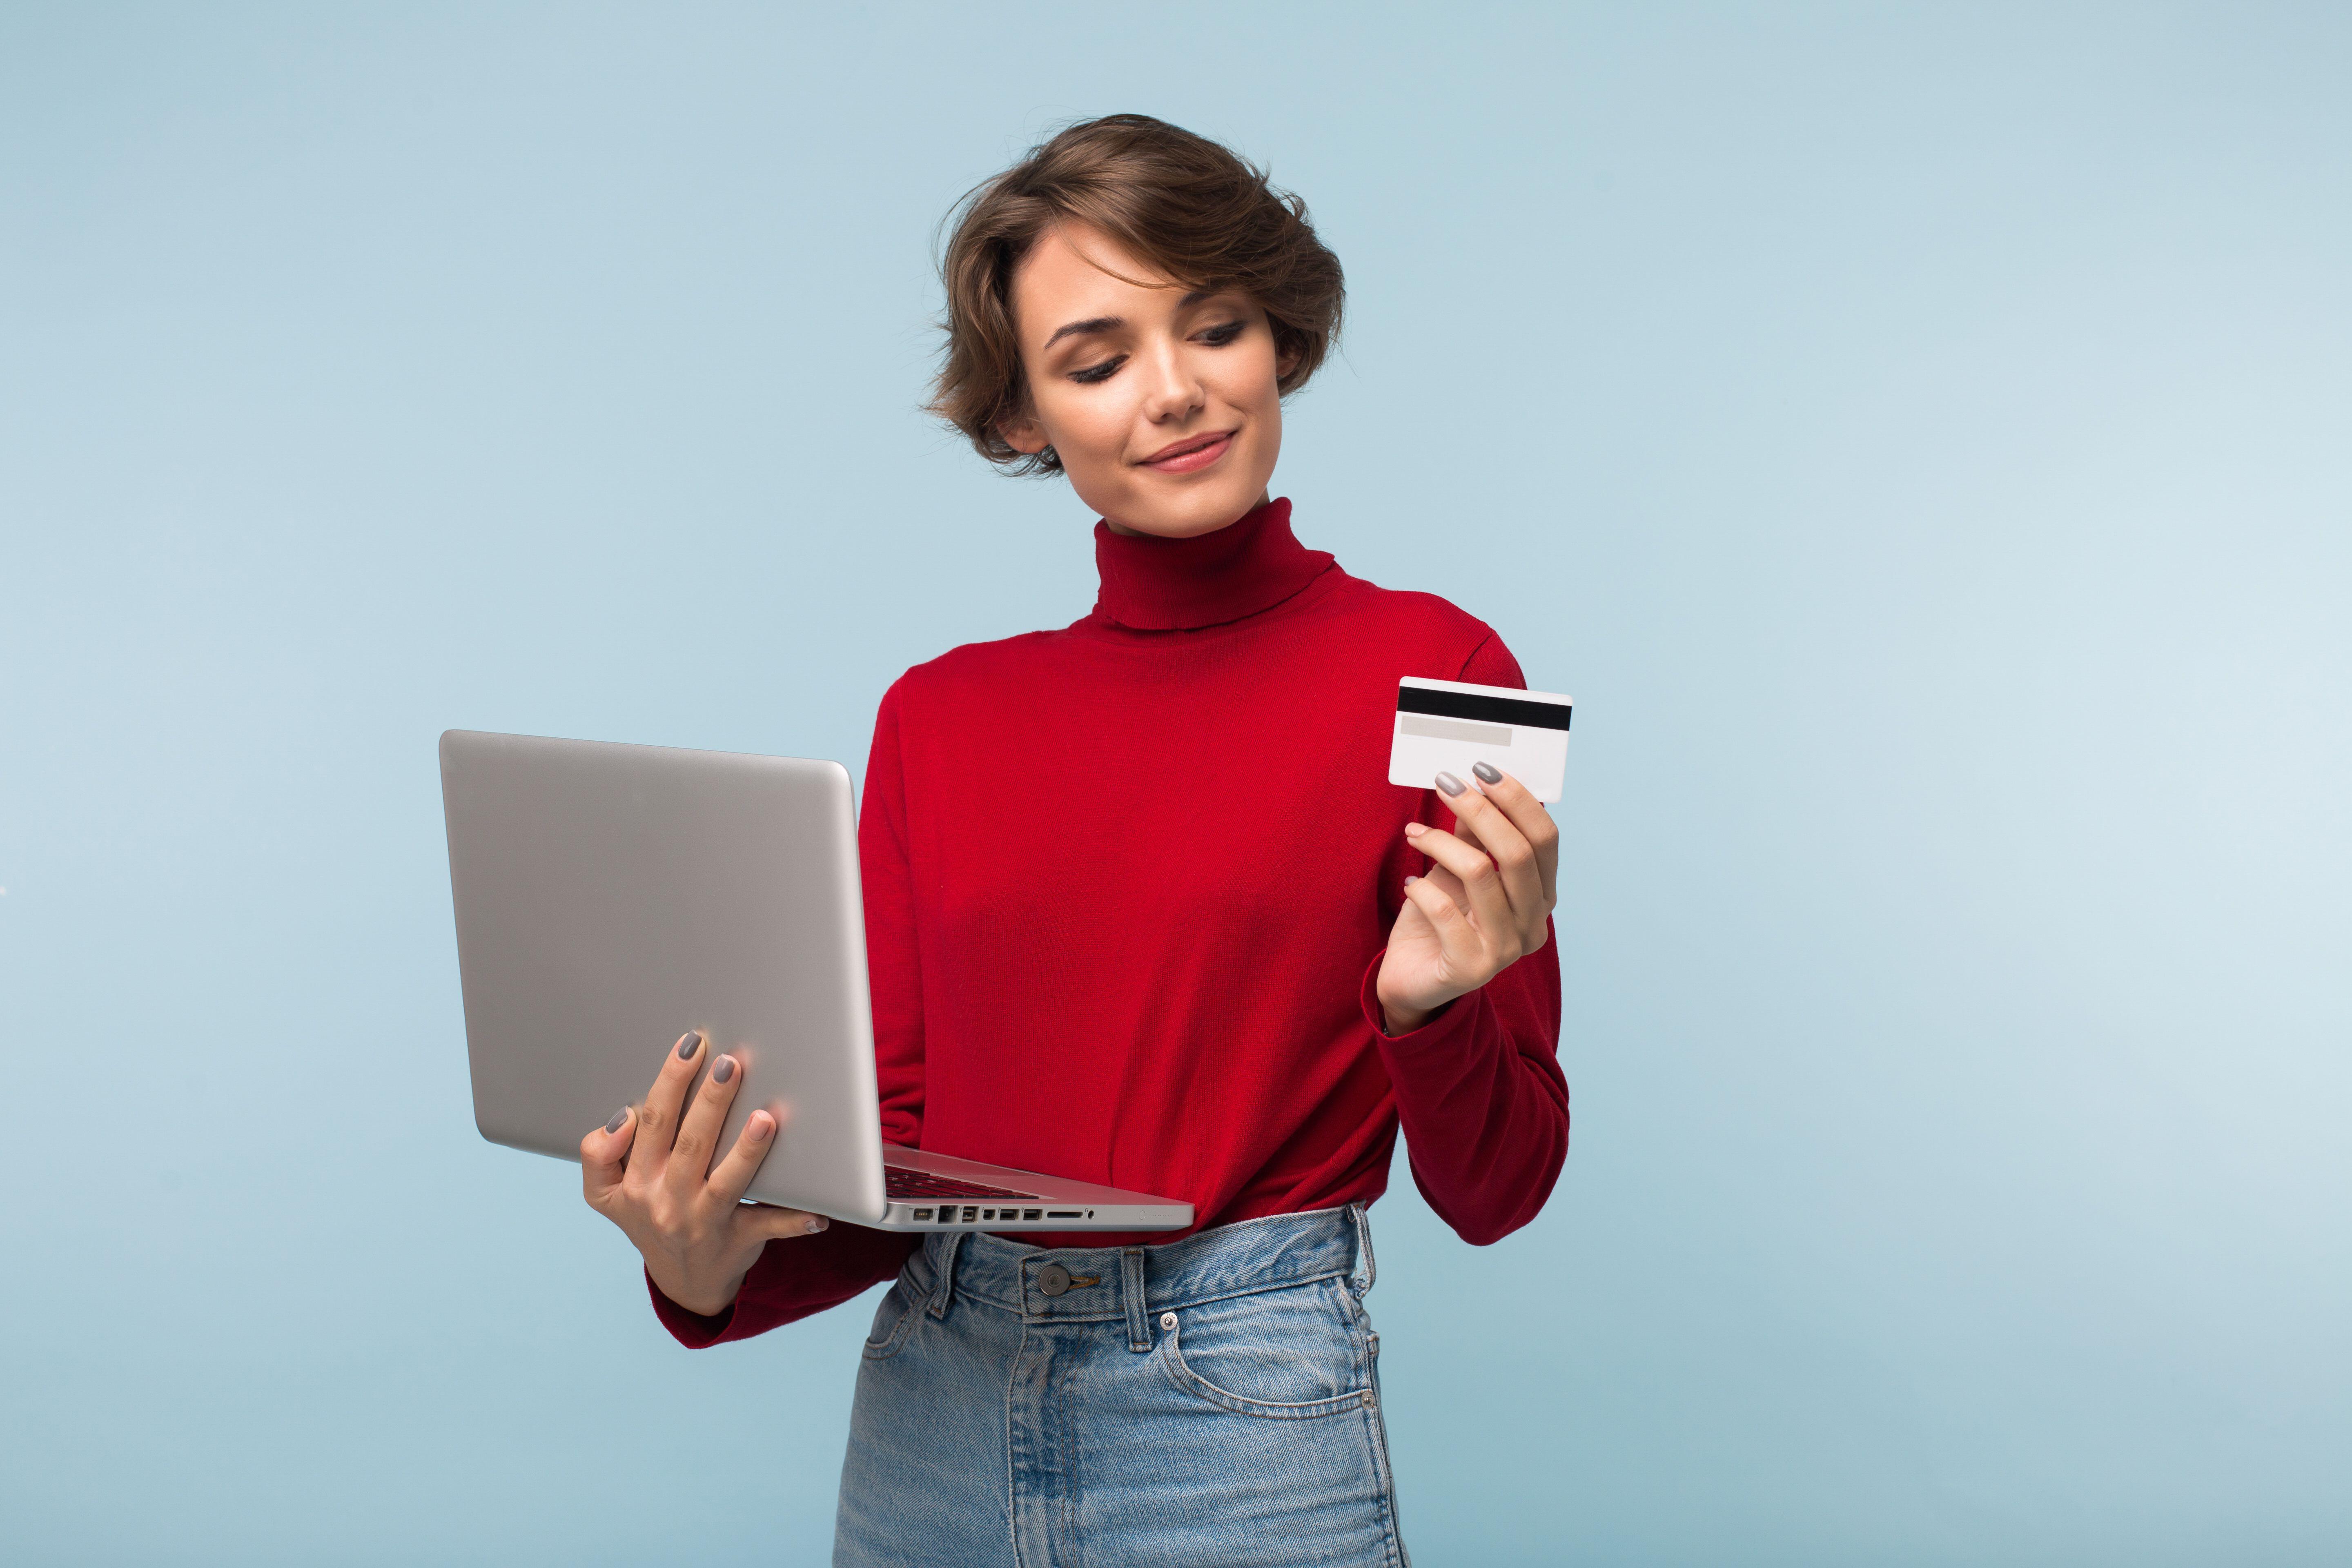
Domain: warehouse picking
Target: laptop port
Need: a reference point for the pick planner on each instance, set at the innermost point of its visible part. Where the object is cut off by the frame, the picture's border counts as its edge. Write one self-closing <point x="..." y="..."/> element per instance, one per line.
<point x="970" y="1213"/>
<point x="922" y="1215"/>
<point x="1065" y="1214"/>
<point x="1033" y="1214"/>
<point x="988" y="1213"/>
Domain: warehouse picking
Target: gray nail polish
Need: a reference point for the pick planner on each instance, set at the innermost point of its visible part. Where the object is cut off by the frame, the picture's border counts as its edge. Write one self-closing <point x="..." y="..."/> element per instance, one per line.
<point x="618" y="1117"/>
<point x="688" y="1046"/>
<point x="1451" y="784"/>
<point x="722" y="1069"/>
<point x="1487" y="772"/>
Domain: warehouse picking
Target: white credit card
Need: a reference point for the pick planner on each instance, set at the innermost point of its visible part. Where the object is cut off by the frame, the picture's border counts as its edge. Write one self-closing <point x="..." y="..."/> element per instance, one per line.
<point x="1451" y="726"/>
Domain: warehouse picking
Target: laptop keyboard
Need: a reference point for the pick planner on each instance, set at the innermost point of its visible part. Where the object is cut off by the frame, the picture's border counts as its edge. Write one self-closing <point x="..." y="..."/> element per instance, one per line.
<point x="899" y="1184"/>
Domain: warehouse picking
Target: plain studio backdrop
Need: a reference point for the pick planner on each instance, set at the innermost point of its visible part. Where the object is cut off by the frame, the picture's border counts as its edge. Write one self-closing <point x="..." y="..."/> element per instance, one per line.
<point x="1920" y="439"/>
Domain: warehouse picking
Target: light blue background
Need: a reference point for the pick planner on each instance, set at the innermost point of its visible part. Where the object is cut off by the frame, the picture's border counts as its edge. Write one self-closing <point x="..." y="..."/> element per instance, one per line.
<point x="1921" y="439"/>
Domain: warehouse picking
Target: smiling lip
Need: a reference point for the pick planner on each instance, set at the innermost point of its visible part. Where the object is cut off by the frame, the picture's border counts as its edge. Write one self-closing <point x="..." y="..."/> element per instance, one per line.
<point x="1190" y="453"/>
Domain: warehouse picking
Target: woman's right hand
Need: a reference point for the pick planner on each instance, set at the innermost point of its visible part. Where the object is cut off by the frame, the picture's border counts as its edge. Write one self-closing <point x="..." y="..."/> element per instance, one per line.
<point x="649" y="1171"/>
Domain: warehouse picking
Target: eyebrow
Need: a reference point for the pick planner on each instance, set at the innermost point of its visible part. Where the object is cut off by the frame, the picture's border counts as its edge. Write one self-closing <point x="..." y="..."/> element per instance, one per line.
<point x="1111" y="323"/>
<point x="1092" y="324"/>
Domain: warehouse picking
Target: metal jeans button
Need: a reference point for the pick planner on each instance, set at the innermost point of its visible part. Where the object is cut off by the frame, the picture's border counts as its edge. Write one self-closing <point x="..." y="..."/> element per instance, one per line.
<point x="1053" y="1279"/>
<point x="1167" y="1320"/>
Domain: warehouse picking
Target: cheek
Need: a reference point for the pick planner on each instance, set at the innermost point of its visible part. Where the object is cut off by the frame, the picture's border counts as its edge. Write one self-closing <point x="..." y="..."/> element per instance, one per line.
<point x="1243" y="376"/>
<point x="1084" y="426"/>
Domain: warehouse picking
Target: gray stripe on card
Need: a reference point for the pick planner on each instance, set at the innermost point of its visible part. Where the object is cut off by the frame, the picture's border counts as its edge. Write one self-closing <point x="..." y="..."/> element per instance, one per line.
<point x="1453" y="729"/>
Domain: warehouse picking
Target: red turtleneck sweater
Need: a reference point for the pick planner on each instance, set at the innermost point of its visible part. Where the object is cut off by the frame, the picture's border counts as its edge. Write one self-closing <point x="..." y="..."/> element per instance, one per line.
<point x="1127" y="885"/>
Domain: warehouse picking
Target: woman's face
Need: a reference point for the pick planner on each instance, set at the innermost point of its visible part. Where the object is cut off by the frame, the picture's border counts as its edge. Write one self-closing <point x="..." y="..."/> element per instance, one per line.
<point x="1160" y="401"/>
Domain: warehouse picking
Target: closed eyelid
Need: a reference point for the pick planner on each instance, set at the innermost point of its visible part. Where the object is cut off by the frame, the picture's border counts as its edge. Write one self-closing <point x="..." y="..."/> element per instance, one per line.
<point x="1078" y="353"/>
<point x="1228" y="300"/>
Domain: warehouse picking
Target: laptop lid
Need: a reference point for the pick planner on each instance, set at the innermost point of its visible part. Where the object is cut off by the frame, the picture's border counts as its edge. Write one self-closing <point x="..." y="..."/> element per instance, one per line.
<point x="609" y="898"/>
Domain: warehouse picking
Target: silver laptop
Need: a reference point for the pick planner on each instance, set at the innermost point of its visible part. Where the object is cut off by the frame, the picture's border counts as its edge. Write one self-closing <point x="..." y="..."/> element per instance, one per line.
<point x="610" y="897"/>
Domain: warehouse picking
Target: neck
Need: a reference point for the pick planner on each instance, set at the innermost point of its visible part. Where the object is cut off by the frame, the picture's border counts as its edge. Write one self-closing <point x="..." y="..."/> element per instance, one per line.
<point x="1252" y="563"/>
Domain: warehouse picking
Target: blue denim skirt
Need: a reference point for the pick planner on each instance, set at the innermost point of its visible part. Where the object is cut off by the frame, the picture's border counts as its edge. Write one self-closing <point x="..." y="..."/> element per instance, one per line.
<point x="1216" y="1400"/>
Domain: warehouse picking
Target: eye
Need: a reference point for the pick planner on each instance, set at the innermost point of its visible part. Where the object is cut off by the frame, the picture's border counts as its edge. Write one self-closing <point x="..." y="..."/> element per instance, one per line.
<point x="1095" y="372"/>
<point x="1217" y="337"/>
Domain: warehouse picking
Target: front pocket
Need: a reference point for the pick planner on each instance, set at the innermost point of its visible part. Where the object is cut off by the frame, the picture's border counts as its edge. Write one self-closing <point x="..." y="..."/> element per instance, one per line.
<point x="1290" y="1351"/>
<point x="893" y="1321"/>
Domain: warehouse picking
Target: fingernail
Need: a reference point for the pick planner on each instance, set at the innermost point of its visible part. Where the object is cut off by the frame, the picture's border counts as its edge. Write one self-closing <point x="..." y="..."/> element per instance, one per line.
<point x="760" y="1125"/>
<point x="722" y="1069"/>
<point x="691" y="1044"/>
<point x="1487" y="772"/>
<point x="817" y="1222"/>
<point x="1451" y="784"/>
<point x="618" y="1117"/>
<point x="1409" y="881"/>
<point x="1414" y="829"/>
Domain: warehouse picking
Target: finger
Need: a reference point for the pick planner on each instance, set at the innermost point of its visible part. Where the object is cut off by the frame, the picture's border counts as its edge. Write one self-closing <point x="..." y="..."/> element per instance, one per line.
<point x="1489" y="907"/>
<point x="1533" y="932"/>
<point x="766" y="1222"/>
<point x="698" y="1132"/>
<point x="1450" y="885"/>
<point x="1534" y="822"/>
<point x="1458" y="942"/>
<point x="605" y="1152"/>
<point x="658" y="1116"/>
<point x="1514" y="857"/>
<point x="735" y="1170"/>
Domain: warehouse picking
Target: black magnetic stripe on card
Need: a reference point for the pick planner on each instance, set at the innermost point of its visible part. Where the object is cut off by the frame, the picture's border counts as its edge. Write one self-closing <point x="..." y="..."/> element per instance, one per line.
<point x="1477" y="705"/>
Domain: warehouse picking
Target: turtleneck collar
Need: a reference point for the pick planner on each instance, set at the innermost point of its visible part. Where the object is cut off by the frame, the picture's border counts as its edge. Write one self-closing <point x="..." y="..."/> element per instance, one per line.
<point x="1156" y="584"/>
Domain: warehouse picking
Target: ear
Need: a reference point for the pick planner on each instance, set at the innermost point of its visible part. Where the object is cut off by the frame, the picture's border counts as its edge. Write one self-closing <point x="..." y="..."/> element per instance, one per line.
<point x="1023" y="435"/>
<point x="1286" y="362"/>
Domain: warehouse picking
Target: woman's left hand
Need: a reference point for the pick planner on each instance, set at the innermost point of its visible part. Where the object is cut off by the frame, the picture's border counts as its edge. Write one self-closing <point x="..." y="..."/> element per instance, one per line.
<point x="1483" y="906"/>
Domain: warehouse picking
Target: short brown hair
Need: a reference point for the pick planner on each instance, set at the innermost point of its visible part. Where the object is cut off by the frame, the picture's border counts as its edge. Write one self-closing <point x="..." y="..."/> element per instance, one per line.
<point x="1186" y="204"/>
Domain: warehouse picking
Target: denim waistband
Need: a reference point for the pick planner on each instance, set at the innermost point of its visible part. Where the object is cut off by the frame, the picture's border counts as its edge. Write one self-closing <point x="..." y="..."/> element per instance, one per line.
<point x="1101" y="1284"/>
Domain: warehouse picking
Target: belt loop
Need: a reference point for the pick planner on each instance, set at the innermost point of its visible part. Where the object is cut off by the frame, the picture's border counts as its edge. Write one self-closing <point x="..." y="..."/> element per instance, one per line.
<point x="1130" y="1267"/>
<point x="1363" y="1252"/>
<point x="946" y="1285"/>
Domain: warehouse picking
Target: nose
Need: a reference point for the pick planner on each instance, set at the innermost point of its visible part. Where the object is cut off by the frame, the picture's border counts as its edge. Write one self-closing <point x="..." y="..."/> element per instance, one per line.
<point x="1172" y="393"/>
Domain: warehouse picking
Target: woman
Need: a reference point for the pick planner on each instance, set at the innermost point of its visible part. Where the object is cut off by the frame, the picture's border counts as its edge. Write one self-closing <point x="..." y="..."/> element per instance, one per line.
<point x="1142" y="909"/>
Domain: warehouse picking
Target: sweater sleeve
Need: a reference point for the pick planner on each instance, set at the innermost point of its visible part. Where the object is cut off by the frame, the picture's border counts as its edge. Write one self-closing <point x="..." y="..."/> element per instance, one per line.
<point x="793" y="1280"/>
<point x="1479" y="1090"/>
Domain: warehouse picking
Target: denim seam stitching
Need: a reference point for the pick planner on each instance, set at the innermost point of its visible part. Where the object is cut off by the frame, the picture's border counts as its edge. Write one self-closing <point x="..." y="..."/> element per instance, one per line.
<point x="1172" y="1362"/>
<point x="1174" y="1304"/>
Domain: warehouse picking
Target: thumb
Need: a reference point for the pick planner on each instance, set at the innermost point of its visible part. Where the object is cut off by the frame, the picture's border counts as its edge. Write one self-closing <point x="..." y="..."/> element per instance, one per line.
<point x="603" y="1152"/>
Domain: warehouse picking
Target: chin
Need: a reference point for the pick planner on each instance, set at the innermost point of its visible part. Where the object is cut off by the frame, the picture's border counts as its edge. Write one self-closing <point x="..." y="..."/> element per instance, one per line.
<point x="1181" y="515"/>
